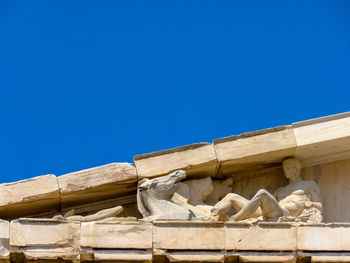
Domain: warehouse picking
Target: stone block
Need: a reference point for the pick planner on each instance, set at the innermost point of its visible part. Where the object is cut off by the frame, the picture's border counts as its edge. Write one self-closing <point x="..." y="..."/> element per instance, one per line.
<point x="4" y="241"/>
<point x="188" y="235"/>
<point x="330" y="237"/>
<point x="98" y="183"/>
<point x="254" y="150"/>
<point x="272" y="257"/>
<point x="326" y="257"/>
<point x="333" y="179"/>
<point x="119" y="235"/>
<point x="29" y="197"/>
<point x="46" y="239"/>
<point x="264" y="236"/>
<point x="323" y="140"/>
<point x="123" y="256"/>
<point x="198" y="160"/>
<point x="196" y="256"/>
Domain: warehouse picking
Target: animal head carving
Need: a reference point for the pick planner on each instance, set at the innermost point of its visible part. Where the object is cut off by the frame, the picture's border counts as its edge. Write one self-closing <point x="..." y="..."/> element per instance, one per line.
<point x="162" y="184"/>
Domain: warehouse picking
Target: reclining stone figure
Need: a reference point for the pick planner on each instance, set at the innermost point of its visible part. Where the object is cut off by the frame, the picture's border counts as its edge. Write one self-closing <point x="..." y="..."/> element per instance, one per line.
<point x="199" y="196"/>
<point x="101" y="215"/>
<point x="298" y="201"/>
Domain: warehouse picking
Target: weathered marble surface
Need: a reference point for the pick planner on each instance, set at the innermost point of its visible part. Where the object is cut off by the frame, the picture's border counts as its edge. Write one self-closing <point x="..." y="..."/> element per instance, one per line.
<point x="323" y="140"/>
<point x="32" y="196"/>
<point x="4" y="241"/>
<point x="188" y="235"/>
<point x="47" y="239"/>
<point x="123" y="235"/>
<point x="168" y="198"/>
<point x="153" y="198"/>
<point x="198" y="160"/>
<point x="104" y="214"/>
<point x="298" y="201"/>
<point x="333" y="179"/>
<point x="267" y="236"/>
<point x="254" y="150"/>
<point x="178" y="241"/>
<point x="199" y="195"/>
<point x="98" y="183"/>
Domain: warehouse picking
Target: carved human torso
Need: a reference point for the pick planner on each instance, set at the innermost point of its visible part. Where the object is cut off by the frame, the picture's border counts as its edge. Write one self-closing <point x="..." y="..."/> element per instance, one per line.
<point x="295" y="197"/>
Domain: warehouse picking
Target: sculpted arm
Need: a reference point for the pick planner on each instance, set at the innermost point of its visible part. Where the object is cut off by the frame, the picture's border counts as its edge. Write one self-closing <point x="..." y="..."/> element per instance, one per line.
<point x="315" y="196"/>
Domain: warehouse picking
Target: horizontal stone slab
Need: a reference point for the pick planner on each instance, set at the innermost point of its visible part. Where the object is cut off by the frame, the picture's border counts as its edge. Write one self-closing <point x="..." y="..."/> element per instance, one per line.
<point x="196" y="256"/>
<point x="45" y="238"/>
<point x="123" y="235"/>
<point x="264" y="236"/>
<point x="198" y="160"/>
<point x="254" y="150"/>
<point x="272" y="257"/>
<point x="324" y="237"/>
<point x="98" y="183"/>
<point x="188" y="235"/>
<point x="327" y="257"/>
<point x="123" y="256"/>
<point x="323" y="140"/>
<point x="29" y="197"/>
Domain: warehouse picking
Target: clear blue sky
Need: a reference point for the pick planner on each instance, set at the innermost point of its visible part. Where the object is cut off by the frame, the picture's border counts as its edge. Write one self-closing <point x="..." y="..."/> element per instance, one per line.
<point x="86" y="83"/>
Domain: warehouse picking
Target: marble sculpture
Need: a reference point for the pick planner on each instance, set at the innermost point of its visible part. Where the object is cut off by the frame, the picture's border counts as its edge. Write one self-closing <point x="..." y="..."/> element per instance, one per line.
<point x="167" y="198"/>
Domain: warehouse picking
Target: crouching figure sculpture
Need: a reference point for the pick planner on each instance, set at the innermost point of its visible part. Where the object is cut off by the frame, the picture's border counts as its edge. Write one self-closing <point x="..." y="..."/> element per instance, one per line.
<point x="298" y="201"/>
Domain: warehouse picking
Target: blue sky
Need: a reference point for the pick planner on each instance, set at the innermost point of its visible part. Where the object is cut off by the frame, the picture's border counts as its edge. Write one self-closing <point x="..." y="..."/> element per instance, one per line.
<point x="86" y="83"/>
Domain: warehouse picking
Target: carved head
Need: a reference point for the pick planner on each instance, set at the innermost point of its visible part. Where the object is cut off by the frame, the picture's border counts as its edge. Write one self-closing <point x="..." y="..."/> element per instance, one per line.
<point x="291" y="167"/>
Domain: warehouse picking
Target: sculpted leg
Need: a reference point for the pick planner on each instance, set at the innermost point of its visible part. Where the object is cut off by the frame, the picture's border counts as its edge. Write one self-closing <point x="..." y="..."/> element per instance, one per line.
<point x="263" y="199"/>
<point x="230" y="200"/>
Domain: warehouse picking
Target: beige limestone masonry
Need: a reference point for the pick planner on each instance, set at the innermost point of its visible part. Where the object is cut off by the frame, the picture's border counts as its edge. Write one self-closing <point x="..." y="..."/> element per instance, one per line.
<point x="323" y="140"/>
<point x="246" y="184"/>
<point x="98" y="183"/>
<point x="326" y="257"/>
<point x="4" y="241"/>
<point x="331" y="237"/>
<point x="188" y="235"/>
<point x="272" y="236"/>
<point x="333" y="179"/>
<point x="254" y="150"/>
<point x="127" y="201"/>
<point x="285" y="257"/>
<point x="197" y="256"/>
<point x="123" y="235"/>
<point x="122" y="256"/>
<point x="176" y="241"/>
<point x="45" y="239"/>
<point x="198" y="160"/>
<point x="31" y="196"/>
